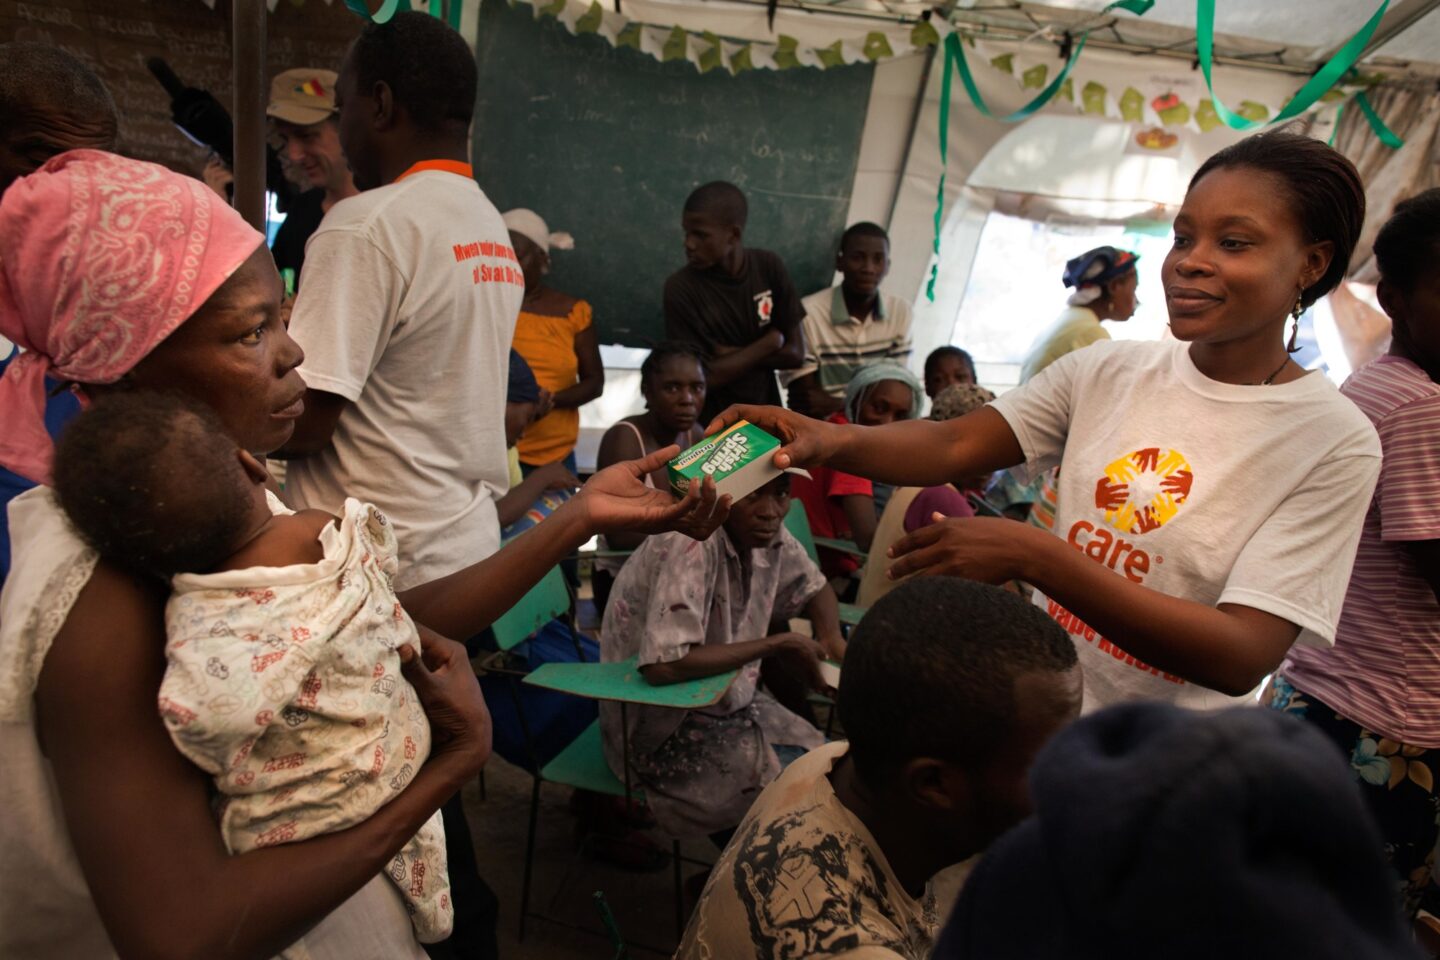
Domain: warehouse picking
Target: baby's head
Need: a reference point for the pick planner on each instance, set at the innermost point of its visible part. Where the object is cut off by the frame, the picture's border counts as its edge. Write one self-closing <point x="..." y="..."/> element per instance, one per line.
<point x="152" y="481"/>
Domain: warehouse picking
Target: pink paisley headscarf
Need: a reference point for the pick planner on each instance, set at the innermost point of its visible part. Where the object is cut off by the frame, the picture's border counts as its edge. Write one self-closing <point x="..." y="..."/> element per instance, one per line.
<point x="101" y="258"/>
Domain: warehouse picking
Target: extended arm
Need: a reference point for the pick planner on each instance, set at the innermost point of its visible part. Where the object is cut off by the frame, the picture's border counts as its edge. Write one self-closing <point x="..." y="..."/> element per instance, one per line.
<point x="140" y="817"/>
<point x="1229" y="648"/>
<point x="911" y="453"/>
<point x="619" y="444"/>
<point x="469" y="600"/>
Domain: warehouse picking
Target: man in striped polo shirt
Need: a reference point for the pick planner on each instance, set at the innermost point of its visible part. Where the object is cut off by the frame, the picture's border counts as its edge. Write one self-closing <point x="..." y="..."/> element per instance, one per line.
<point x="1376" y="693"/>
<point x="849" y="325"/>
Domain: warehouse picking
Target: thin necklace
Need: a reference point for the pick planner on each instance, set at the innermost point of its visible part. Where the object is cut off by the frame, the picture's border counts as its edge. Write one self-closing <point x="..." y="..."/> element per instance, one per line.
<point x="1271" y="379"/>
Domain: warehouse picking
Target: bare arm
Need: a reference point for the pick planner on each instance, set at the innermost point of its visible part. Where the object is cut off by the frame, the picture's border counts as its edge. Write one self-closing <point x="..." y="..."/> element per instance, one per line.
<point x="591" y="382"/>
<point x="726" y="366"/>
<point x="860" y="512"/>
<point x="1229" y="648"/>
<point x="315" y="427"/>
<point x="708" y="659"/>
<point x="911" y="453"/>
<point x="823" y="612"/>
<point x="792" y="352"/>
<point x="469" y="600"/>
<point x="552" y="476"/>
<point x="619" y="444"/>
<point x="145" y="833"/>
<point x="809" y="398"/>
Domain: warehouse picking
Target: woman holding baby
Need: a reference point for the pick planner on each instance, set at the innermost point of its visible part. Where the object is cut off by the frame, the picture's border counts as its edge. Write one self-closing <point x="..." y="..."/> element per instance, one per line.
<point x="119" y="275"/>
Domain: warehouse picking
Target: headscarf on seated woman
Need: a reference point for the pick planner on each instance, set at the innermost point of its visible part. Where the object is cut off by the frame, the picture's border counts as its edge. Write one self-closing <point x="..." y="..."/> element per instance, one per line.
<point x="873" y="373"/>
<point x="101" y="258"/>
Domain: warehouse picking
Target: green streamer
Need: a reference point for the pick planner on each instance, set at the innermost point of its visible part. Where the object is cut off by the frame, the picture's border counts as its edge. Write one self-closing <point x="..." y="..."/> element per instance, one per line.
<point x="383" y="15"/>
<point x="955" y="54"/>
<point x="1314" y="88"/>
<point x="950" y="42"/>
<point x="1386" y="135"/>
<point x="955" y="57"/>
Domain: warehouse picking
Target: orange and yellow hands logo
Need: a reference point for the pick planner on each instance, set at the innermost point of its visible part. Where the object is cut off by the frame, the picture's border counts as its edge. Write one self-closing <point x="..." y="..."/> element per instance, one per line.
<point x="1143" y="490"/>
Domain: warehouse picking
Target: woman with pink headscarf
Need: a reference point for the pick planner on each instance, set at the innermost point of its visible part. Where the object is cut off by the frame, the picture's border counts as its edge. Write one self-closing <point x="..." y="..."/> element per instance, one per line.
<point x="116" y="275"/>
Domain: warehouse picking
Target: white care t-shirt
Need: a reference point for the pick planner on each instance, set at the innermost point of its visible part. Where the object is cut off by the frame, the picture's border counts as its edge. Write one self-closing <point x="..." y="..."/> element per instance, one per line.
<point x="407" y="310"/>
<point x="1208" y="491"/>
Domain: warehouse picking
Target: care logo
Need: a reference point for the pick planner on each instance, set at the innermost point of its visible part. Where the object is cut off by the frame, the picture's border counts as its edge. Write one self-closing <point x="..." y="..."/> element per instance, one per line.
<point x="1143" y="490"/>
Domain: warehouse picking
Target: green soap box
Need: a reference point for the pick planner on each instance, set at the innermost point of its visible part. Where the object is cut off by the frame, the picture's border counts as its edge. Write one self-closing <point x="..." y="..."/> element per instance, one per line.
<point x="739" y="458"/>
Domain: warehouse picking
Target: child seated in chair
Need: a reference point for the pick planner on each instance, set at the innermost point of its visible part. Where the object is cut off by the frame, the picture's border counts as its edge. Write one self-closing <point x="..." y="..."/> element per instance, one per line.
<point x="283" y="632"/>
<point x="691" y="609"/>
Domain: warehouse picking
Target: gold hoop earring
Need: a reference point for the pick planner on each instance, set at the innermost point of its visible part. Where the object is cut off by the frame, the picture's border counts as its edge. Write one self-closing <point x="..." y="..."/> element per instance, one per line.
<point x="1292" y="346"/>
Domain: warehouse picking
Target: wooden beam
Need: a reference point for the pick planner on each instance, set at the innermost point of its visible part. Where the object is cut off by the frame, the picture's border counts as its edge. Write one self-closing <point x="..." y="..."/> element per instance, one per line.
<point x="247" y="71"/>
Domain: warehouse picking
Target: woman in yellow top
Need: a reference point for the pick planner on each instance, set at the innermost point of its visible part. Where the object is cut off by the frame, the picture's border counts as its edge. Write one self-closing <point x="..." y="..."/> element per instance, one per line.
<point x="1104" y="280"/>
<point x="555" y="336"/>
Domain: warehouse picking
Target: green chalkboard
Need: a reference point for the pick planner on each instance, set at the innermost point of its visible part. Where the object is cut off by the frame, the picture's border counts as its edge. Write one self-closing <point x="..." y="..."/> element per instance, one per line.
<point x="606" y="143"/>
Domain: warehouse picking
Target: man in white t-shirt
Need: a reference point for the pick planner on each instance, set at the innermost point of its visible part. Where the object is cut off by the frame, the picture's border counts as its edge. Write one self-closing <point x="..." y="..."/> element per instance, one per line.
<point x="409" y="304"/>
<point x="410" y="299"/>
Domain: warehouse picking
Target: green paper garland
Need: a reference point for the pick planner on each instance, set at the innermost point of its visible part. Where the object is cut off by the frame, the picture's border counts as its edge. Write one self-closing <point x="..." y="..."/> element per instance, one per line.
<point x="591" y="20"/>
<point x="1314" y="88"/>
<point x="877" y="47"/>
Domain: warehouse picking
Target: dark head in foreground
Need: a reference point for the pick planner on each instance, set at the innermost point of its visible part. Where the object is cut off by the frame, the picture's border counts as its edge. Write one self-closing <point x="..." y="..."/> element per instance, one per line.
<point x="949" y="690"/>
<point x="1161" y="832"/>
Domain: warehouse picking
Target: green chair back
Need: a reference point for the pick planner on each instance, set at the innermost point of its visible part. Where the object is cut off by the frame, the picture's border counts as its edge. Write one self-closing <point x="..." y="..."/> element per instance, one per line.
<point x="799" y="526"/>
<point x="582" y="765"/>
<point x="547" y="600"/>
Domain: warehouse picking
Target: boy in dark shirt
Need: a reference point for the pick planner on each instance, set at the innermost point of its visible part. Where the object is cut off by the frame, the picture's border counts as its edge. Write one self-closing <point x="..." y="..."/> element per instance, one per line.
<point x="738" y="305"/>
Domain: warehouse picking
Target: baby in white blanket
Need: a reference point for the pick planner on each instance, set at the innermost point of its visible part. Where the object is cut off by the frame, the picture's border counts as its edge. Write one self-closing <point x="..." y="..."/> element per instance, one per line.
<point x="283" y="677"/>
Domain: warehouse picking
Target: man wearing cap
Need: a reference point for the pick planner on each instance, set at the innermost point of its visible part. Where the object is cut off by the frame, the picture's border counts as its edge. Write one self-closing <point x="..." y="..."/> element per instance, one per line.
<point x="304" y="132"/>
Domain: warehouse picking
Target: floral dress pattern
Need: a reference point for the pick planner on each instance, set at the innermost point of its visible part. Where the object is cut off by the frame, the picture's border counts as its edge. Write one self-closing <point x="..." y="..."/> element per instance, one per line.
<point x="1398" y="782"/>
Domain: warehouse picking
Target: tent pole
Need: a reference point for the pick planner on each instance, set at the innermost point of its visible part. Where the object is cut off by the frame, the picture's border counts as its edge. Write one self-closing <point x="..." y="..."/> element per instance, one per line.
<point x="910" y="137"/>
<point x="1399" y="18"/>
<point x="248" y="79"/>
<point x="944" y="12"/>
